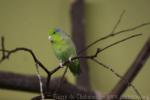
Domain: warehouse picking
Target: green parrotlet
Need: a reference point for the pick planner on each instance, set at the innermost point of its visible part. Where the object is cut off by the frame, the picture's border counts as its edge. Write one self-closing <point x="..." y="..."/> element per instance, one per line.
<point x="64" y="49"/>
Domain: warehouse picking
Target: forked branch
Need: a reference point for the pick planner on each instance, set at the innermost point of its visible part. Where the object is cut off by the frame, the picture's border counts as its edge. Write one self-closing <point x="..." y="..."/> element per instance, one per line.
<point x="30" y="82"/>
<point x="49" y="73"/>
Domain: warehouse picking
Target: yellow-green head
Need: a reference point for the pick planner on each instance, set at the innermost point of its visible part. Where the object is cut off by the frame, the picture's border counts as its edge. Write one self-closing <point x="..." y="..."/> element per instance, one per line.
<point x="54" y="35"/>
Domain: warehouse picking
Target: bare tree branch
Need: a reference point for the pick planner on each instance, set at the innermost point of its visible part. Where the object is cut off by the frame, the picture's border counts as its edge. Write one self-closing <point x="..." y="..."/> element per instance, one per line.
<point x="95" y="54"/>
<point x="10" y="52"/>
<point x="49" y="73"/>
<point x="78" y="32"/>
<point x="132" y="72"/>
<point x="30" y="83"/>
<point x="119" y="76"/>
<point x="113" y="34"/>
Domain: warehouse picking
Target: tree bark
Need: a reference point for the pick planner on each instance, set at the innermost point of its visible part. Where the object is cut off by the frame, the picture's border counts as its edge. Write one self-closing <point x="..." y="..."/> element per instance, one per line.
<point x="78" y="32"/>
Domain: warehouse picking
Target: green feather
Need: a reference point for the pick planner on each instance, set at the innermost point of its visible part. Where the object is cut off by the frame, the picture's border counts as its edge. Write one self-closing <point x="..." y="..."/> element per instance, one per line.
<point x="64" y="48"/>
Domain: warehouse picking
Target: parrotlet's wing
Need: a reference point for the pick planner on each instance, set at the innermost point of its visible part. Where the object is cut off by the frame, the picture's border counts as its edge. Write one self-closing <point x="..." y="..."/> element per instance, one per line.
<point x="64" y="48"/>
<point x="74" y="66"/>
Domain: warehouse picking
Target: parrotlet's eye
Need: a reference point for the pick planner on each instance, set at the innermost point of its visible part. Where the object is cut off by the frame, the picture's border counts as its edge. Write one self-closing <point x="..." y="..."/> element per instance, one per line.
<point x="54" y="32"/>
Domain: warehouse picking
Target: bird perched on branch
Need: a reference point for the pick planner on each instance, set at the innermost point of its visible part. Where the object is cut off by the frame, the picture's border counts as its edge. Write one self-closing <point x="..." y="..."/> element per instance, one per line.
<point x="64" y="49"/>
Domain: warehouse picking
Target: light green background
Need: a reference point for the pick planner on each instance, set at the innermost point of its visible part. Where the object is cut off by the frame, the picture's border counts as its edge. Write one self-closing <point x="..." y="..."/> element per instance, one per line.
<point x="25" y="23"/>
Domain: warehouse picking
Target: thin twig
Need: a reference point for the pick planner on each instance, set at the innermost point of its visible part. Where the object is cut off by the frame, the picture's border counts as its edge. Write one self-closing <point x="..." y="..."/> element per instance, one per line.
<point x="110" y="45"/>
<point x="62" y="79"/>
<point x="63" y="76"/>
<point x="136" y="35"/>
<point x="113" y="34"/>
<point x="3" y="49"/>
<point x="118" y="22"/>
<point x="40" y="81"/>
<point x="9" y="52"/>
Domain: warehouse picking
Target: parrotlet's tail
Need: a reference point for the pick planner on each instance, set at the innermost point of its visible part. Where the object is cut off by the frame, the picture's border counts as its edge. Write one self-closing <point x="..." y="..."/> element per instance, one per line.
<point x="74" y="67"/>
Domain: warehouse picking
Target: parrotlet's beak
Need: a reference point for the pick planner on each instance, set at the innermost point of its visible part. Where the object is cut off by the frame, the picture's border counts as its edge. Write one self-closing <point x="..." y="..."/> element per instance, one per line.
<point x="50" y="38"/>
